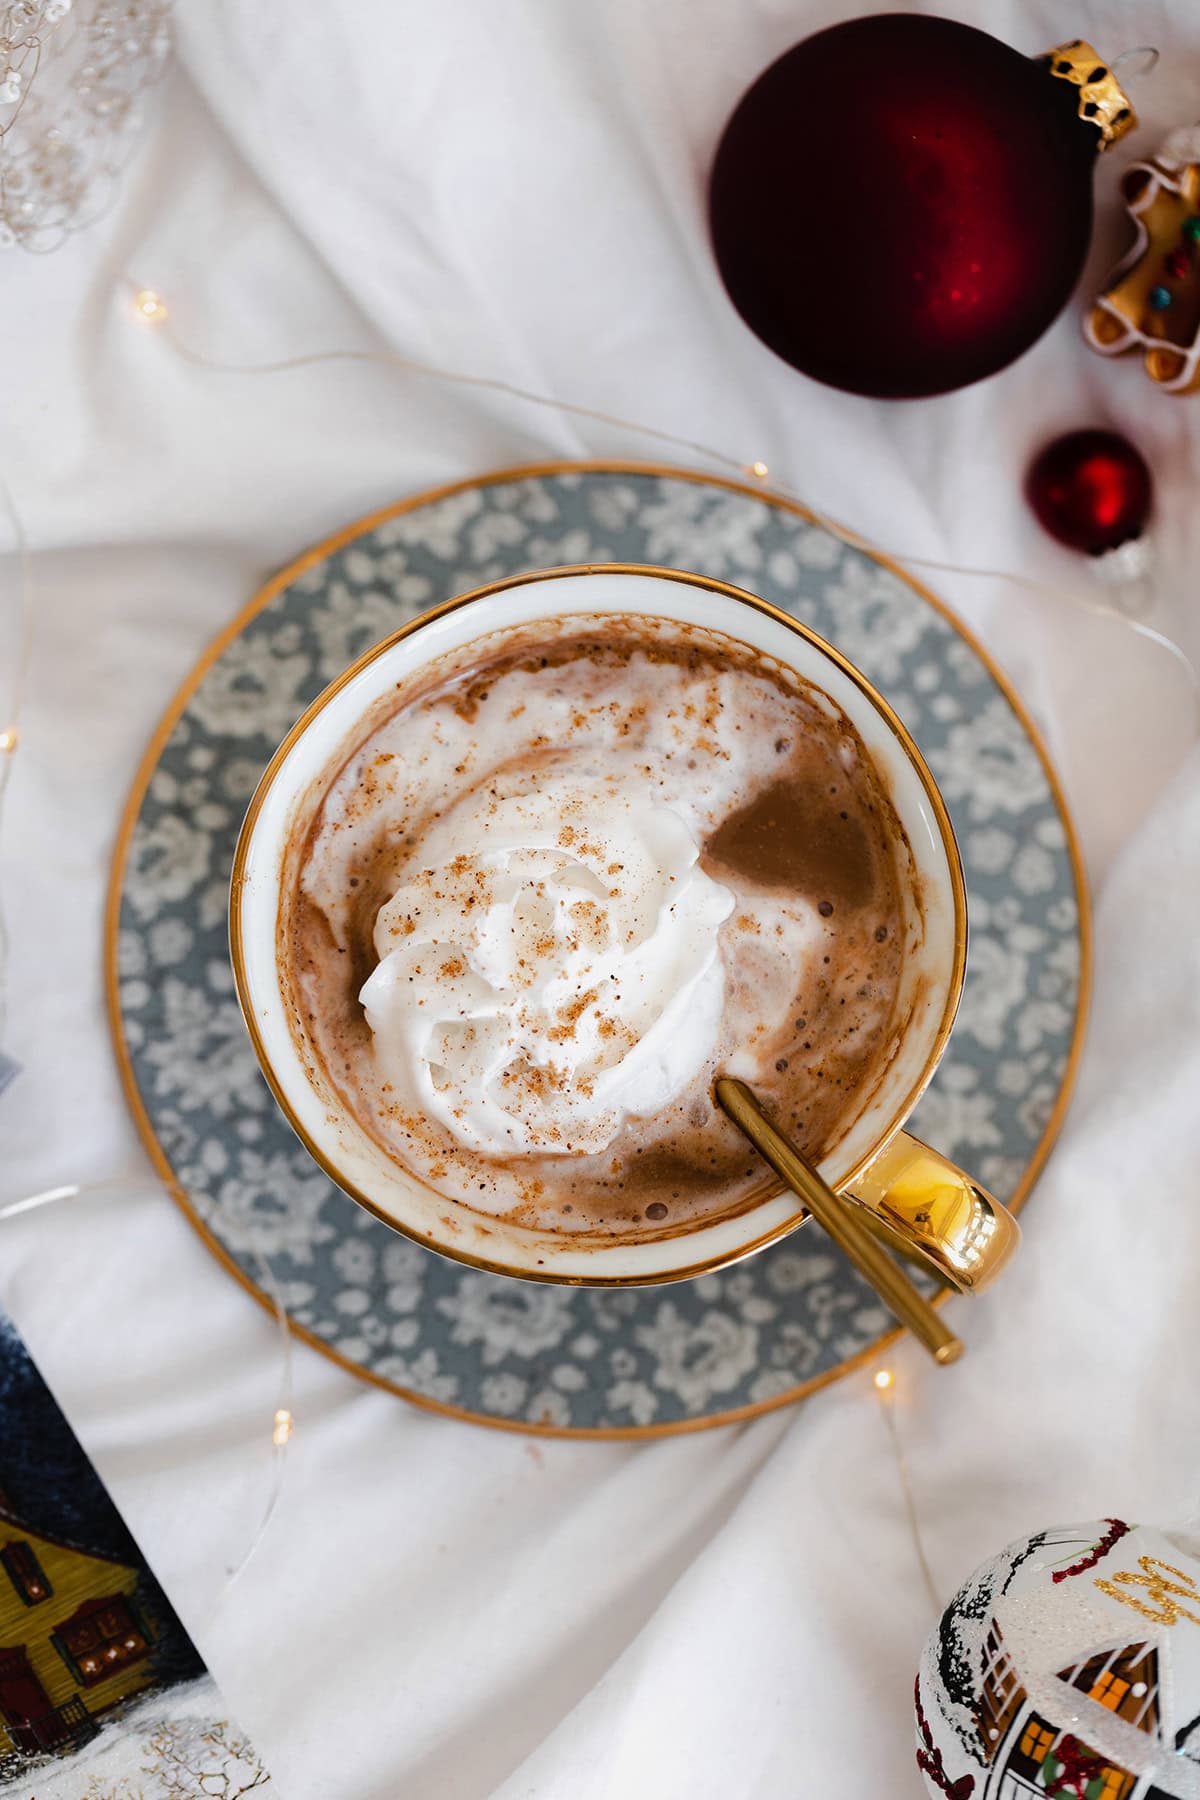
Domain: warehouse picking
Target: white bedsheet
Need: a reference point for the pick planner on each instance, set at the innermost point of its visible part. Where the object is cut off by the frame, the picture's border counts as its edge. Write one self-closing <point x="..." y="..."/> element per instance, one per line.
<point x="438" y="1610"/>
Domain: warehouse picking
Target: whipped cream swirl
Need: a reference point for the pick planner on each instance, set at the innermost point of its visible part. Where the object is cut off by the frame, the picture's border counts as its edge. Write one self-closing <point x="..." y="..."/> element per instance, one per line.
<point x="550" y="964"/>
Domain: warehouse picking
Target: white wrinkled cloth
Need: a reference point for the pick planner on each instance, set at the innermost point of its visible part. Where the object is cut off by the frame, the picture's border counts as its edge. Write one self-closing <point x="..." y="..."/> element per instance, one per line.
<point x="439" y="1610"/>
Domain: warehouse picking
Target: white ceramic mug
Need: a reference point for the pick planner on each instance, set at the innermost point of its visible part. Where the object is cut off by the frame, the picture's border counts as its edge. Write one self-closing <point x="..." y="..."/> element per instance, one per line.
<point x="920" y="1202"/>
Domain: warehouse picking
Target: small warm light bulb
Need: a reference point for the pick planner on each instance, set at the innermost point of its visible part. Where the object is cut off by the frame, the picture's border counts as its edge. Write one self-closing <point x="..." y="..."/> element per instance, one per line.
<point x="884" y="1380"/>
<point x="283" y="1427"/>
<point x="8" y="740"/>
<point x="759" y="470"/>
<point x="150" y="306"/>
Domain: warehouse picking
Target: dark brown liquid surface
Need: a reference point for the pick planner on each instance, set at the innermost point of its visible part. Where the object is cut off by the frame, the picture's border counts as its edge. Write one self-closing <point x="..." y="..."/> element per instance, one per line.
<point x="790" y="836"/>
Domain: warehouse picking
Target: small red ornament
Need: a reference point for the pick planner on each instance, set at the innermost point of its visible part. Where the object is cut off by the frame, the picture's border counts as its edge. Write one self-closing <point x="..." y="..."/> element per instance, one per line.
<point x="901" y="204"/>
<point x="1092" y="490"/>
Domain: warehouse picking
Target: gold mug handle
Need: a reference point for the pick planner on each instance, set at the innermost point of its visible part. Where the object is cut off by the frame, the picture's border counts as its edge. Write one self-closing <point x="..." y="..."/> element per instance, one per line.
<point x="924" y="1206"/>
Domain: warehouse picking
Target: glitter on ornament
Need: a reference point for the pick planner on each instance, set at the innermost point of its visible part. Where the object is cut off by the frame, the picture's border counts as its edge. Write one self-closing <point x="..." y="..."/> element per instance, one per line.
<point x="1117" y="1528"/>
<point x="1068" y="1666"/>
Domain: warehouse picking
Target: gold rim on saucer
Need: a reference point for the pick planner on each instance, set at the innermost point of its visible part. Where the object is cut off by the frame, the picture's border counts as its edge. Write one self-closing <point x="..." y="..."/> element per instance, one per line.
<point x="149" y="762"/>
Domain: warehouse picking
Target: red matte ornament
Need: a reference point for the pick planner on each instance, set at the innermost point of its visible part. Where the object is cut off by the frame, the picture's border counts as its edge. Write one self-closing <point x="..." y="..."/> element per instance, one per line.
<point x="901" y="205"/>
<point x="1092" y="490"/>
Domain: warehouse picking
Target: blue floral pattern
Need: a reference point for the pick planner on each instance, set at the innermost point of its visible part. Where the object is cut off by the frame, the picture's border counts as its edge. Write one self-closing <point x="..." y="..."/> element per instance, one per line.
<point x="520" y="1352"/>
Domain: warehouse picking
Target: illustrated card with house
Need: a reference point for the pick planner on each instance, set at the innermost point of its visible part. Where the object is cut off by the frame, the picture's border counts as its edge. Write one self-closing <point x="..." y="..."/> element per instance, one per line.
<point x="103" y="1696"/>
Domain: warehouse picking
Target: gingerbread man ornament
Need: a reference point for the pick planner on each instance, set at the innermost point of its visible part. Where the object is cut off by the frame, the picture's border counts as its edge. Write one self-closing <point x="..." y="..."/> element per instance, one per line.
<point x="1152" y="300"/>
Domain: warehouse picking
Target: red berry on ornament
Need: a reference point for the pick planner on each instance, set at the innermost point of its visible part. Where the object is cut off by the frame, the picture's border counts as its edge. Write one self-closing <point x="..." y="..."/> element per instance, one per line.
<point x="1091" y="490"/>
<point x="901" y="205"/>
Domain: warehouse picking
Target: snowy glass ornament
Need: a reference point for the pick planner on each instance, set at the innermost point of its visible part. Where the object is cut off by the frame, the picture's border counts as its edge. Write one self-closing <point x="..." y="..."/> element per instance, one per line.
<point x="1069" y="1666"/>
<point x="72" y="76"/>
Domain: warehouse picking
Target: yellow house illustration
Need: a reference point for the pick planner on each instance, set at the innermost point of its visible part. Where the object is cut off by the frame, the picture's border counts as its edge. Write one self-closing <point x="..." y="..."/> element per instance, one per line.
<point x="74" y="1638"/>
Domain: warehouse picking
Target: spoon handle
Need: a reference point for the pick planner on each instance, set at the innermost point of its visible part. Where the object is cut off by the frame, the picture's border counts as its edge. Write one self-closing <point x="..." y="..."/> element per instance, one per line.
<point x="838" y="1219"/>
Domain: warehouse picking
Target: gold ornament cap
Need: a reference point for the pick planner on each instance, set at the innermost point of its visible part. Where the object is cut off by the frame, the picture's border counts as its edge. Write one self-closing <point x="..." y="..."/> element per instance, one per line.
<point x="1102" y="100"/>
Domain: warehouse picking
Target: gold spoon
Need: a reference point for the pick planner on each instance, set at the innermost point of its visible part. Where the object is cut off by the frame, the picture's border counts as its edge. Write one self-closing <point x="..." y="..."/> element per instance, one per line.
<point x="838" y="1217"/>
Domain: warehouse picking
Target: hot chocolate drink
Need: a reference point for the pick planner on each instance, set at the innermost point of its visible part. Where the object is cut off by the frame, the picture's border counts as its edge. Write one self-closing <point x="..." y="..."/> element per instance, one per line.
<point x="563" y="878"/>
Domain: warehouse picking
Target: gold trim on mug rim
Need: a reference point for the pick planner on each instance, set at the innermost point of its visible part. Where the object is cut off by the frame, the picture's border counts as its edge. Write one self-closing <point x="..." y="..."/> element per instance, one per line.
<point x="689" y="1271"/>
<point x="371" y="521"/>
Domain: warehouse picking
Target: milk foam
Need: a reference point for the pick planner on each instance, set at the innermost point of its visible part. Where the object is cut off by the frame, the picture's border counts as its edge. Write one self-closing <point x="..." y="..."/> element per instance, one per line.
<point x="555" y="970"/>
<point x="550" y="967"/>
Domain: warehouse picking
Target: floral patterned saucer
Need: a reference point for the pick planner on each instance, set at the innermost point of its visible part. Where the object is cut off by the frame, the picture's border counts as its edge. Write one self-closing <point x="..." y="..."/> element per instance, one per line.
<point x="645" y="1360"/>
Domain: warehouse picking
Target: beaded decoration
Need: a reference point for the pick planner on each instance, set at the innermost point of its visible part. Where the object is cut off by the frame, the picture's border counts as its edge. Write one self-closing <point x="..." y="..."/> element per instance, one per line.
<point x="72" y="74"/>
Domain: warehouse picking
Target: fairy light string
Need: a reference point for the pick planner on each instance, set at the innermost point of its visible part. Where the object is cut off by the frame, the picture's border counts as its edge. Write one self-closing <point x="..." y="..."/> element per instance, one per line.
<point x="887" y="1392"/>
<point x="150" y="308"/>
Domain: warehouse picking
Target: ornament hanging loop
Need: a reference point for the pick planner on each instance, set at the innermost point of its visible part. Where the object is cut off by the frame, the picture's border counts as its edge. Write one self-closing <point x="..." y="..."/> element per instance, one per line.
<point x="1132" y="65"/>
